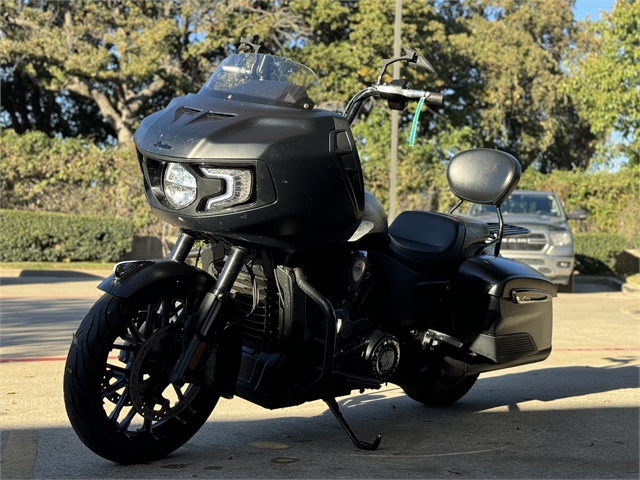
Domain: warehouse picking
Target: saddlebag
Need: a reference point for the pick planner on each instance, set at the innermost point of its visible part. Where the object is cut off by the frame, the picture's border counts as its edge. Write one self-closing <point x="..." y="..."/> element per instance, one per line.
<point x="503" y="310"/>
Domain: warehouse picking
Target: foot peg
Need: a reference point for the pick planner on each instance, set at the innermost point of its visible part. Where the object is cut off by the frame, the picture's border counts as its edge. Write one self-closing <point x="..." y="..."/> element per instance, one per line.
<point x="333" y="406"/>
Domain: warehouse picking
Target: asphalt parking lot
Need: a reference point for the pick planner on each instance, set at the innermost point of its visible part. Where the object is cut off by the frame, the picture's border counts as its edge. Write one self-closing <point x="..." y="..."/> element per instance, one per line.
<point x="576" y="415"/>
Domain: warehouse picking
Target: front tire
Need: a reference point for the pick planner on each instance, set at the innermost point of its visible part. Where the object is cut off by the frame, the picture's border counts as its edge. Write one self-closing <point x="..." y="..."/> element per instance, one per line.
<point x="116" y="382"/>
<point x="441" y="393"/>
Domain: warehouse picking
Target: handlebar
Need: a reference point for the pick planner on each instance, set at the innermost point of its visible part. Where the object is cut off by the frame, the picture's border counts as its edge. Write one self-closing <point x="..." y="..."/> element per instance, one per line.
<point x="389" y="92"/>
<point x="396" y="91"/>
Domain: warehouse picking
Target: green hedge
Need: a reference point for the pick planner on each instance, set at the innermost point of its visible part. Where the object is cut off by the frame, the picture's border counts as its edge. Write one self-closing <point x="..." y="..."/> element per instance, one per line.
<point x="596" y="253"/>
<point x="57" y="237"/>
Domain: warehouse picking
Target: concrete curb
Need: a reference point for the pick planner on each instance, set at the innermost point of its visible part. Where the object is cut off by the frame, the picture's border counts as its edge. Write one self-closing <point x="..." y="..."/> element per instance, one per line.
<point x="59" y="273"/>
<point x="631" y="290"/>
<point x="626" y="288"/>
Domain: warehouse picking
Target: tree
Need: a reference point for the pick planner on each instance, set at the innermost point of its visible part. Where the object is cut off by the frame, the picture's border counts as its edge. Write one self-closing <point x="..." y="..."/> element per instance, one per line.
<point x="102" y="66"/>
<point x="125" y="58"/>
<point x="499" y="62"/>
<point x="605" y="80"/>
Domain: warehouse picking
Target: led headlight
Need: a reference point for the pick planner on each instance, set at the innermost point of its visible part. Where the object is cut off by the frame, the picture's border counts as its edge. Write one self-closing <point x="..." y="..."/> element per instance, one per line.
<point x="180" y="186"/>
<point x="561" y="238"/>
<point x="238" y="185"/>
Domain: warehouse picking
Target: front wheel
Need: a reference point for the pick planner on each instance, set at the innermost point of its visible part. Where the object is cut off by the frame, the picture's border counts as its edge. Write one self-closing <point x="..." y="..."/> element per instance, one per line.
<point x="441" y="393"/>
<point x="116" y="382"/>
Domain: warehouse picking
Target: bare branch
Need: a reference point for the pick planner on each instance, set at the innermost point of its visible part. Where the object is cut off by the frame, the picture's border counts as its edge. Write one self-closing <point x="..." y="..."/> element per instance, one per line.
<point x="136" y="100"/>
<point x="83" y="87"/>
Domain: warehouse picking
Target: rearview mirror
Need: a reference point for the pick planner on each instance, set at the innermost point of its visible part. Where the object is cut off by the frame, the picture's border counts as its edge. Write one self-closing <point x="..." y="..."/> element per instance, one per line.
<point x="577" y="214"/>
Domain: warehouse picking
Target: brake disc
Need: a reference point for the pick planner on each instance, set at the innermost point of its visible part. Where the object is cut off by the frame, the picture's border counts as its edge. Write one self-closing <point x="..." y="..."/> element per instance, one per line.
<point x="149" y="384"/>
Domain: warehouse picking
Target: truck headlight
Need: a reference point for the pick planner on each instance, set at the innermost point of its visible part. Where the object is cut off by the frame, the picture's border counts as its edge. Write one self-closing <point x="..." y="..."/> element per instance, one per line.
<point x="561" y="238"/>
<point x="238" y="185"/>
<point x="180" y="186"/>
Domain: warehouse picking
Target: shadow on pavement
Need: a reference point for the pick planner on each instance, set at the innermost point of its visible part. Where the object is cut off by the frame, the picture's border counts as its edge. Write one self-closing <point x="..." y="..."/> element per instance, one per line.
<point x="573" y="439"/>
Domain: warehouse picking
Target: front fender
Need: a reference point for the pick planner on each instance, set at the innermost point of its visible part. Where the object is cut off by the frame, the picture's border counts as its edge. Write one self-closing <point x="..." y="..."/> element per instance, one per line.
<point x="146" y="277"/>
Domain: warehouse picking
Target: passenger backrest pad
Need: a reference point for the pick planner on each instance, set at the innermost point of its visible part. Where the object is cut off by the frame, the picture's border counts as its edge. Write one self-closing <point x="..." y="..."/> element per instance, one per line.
<point x="484" y="176"/>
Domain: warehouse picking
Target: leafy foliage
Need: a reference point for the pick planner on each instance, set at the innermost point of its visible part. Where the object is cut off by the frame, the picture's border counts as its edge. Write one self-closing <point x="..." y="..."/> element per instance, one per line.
<point x="596" y="252"/>
<point x="55" y="237"/>
<point x="499" y="61"/>
<point x="127" y="58"/>
<point x="70" y="175"/>
<point x="606" y="80"/>
<point x="523" y="77"/>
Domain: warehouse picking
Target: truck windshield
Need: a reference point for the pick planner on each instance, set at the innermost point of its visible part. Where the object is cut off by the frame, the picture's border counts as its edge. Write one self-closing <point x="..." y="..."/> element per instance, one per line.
<point x="522" y="204"/>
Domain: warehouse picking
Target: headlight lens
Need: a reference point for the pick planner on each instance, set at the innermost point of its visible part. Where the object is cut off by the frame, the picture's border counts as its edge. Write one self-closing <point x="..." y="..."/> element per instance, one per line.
<point x="180" y="186"/>
<point x="238" y="185"/>
<point x="561" y="238"/>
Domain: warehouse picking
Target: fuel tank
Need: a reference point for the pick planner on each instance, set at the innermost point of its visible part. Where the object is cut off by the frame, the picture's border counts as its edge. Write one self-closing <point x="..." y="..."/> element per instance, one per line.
<point x="275" y="176"/>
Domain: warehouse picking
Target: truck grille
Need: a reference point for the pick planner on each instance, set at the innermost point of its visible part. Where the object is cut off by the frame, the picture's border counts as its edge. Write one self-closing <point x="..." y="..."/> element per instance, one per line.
<point x="533" y="242"/>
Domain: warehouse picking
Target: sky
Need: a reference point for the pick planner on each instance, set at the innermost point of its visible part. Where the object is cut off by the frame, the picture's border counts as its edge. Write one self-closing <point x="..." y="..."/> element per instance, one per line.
<point x="582" y="8"/>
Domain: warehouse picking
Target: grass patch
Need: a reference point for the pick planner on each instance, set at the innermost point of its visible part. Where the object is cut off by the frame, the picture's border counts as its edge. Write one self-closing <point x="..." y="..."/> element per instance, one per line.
<point x="57" y="265"/>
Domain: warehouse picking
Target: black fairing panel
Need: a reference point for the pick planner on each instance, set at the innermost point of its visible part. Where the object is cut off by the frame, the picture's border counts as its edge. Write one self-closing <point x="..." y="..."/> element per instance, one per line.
<point x="308" y="187"/>
<point x="483" y="176"/>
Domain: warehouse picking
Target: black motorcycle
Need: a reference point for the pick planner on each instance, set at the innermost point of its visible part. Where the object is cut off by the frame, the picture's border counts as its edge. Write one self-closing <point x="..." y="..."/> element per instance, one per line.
<point x="300" y="290"/>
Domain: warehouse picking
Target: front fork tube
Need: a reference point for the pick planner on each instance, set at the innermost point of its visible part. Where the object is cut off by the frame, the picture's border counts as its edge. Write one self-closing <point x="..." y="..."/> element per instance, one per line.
<point x="197" y="328"/>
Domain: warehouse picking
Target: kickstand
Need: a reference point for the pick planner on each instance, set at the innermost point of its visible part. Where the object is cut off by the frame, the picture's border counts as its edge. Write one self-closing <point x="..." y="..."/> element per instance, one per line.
<point x="333" y="406"/>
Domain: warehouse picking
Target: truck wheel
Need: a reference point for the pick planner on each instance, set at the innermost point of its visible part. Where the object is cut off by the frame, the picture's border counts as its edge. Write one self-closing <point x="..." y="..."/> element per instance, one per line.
<point x="568" y="288"/>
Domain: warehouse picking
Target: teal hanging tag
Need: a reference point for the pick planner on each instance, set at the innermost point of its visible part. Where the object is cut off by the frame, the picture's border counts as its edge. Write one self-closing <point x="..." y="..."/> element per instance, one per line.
<point x="414" y="125"/>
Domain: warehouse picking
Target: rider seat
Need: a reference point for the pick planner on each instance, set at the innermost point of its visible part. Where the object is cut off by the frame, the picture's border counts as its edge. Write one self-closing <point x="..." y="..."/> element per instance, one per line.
<point x="428" y="242"/>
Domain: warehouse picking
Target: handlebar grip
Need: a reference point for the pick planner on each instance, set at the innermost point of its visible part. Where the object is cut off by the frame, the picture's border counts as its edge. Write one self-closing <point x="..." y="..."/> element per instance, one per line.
<point x="435" y="98"/>
<point x="391" y="91"/>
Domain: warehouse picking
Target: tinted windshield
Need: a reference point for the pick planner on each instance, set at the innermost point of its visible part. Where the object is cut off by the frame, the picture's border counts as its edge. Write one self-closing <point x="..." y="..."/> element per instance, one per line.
<point x="523" y="204"/>
<point x="259" y="78"/>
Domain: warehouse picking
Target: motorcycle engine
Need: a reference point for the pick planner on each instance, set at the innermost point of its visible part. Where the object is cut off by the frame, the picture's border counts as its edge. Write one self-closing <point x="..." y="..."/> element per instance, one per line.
<point x="374" y="354"/>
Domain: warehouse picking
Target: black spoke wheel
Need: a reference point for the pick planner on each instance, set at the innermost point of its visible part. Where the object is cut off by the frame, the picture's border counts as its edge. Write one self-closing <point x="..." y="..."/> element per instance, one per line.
<point x="116" y="383"/>
<point x="441" y="393"/>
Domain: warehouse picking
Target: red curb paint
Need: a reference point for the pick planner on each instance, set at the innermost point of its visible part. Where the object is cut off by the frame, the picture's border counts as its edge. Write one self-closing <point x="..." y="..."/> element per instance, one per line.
<point x="39" y="359"/>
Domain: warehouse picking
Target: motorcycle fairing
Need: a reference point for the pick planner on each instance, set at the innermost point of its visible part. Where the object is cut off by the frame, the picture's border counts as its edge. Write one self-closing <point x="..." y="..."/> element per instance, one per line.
<point x="307" y="187"/>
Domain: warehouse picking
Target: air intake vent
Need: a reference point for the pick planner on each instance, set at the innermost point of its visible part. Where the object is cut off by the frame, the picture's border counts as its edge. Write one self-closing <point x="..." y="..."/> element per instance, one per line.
<point x="514" y="345"/>
<point x="215" y="115"/>
<point x="191" y="111"/>
<point x="220" y="115"/>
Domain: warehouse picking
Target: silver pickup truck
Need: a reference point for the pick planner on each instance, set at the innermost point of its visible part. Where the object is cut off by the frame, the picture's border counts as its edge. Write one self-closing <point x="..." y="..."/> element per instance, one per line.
<point x="549" y="246"/>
